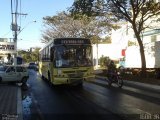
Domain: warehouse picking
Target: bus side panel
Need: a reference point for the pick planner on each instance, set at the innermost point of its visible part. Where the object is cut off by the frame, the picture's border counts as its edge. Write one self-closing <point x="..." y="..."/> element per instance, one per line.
<point x="44" y="69"/>
<point x="40" y="67"/>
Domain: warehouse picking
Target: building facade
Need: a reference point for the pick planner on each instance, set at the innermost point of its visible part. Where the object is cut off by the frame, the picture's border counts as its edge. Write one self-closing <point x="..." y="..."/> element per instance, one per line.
<point x="7" y="46"/>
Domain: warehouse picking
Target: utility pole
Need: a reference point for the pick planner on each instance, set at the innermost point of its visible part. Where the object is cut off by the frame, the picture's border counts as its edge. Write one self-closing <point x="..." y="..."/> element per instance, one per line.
<point x="14" y="25"/>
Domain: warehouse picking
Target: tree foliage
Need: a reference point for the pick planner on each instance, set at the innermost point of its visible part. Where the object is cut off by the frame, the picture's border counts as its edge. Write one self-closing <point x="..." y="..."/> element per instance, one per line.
<point x="136" y="12"/>
<point x="104" y="61"/>
<point x="64" y="25"/>
<point x="29" y="56"/>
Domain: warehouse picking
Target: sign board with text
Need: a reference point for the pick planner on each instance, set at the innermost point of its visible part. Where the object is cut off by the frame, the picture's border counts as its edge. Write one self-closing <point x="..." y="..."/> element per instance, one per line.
<point x="7" y="47"/>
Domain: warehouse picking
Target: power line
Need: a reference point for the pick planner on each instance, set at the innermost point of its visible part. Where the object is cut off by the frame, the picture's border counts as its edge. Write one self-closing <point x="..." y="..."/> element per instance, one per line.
<point x="6" y="33"/>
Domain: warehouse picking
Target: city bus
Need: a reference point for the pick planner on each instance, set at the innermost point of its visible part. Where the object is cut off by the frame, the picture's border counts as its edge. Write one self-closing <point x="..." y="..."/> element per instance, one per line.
<point x="66" y="61"/>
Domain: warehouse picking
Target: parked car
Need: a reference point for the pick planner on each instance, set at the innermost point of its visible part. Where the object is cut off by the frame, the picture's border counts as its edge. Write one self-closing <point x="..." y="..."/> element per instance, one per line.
<point x="12" y="73"/>
<point x="33" y="66"/>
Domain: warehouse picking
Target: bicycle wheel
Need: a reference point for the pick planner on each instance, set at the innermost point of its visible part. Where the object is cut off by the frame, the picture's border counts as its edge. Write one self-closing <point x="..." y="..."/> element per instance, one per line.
<point x="109" y="82"/>
<point x="119" y="82"/>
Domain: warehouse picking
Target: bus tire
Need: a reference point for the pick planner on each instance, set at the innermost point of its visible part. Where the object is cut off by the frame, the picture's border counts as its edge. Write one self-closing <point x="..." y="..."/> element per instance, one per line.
<point x="80" y="85"/>
<point x="42" y="77"/>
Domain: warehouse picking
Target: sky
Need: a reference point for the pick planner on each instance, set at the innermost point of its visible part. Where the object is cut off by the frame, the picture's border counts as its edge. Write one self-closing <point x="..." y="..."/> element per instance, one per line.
<point x="35" y="9"/>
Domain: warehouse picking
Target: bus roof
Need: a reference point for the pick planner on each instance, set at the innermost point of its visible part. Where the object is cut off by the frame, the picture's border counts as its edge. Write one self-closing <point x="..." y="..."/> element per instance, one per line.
<point x="58" y="41"/>
<point x="46" y="44"/>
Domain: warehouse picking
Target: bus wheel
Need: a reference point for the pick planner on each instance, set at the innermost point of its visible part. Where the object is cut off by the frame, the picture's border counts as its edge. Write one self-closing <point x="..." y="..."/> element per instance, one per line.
<point x="80" y="84"/>
<point x="42" y="77"/>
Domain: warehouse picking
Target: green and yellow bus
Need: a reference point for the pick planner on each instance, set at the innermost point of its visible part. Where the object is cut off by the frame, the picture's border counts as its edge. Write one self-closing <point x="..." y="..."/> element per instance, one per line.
<point x="66" y="61"/>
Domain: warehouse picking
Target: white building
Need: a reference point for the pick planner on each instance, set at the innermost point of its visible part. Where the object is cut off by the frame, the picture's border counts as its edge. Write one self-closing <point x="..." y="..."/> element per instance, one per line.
<point x="119" y="42"/>
<point x="112" y="51"/>
<point x="149" y="37"/>
<point x="6" y="47"/>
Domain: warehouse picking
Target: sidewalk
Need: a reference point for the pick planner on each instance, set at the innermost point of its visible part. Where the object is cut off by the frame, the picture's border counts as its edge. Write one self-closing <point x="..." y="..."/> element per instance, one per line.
<point x="10" y="102"/>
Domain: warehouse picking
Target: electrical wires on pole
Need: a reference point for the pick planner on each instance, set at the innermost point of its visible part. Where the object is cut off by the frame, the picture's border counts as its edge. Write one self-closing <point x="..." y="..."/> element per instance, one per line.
<point x="16" y="15"/>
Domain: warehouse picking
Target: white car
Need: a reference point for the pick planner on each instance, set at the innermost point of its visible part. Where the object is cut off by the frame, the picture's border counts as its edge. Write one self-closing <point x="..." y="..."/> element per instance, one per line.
<point x="11" y="73"/>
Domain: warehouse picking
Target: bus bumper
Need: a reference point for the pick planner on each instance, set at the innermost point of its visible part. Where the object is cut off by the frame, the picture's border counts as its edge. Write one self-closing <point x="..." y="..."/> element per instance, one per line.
<point x="58" y="80"/>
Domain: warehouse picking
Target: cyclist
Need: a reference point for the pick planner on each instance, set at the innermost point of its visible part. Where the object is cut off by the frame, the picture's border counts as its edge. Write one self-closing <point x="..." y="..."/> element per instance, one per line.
<point x="111" y="70"/>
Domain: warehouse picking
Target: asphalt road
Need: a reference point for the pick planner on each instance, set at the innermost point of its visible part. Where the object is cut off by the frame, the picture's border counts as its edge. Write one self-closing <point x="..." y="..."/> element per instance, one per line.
<point x="94" y="101"/>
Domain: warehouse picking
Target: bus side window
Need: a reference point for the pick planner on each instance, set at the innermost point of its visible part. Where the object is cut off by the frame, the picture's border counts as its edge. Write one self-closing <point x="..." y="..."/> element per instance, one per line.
<point x="52" y="54"/>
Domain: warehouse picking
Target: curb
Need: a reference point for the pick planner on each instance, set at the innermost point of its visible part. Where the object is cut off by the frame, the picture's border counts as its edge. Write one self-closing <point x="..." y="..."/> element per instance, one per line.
<point x="19" y="104"/>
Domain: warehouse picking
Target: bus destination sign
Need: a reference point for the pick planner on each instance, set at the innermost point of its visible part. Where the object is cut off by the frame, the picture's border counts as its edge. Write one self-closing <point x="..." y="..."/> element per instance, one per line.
<point x="72" y="41"/>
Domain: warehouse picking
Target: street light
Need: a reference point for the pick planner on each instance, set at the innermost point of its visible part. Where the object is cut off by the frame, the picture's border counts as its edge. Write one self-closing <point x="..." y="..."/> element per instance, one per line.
<point x="26" y="26"/>
<point x="16" y="35"/>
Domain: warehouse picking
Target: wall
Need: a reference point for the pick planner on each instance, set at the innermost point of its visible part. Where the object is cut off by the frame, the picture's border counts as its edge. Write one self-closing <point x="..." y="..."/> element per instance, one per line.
<point x="112" y="51"/>
<point x="152" y="54"/>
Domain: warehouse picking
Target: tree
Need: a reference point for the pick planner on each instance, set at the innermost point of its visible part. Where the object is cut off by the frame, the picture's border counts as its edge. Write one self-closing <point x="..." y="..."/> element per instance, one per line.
<point x="106" y="40"/>
<point x="29" y="56"/>
<point x="60" y="25"/>
<point x="25" y="55"/>
<point x="104" y="61"/>
<point x="64" y="25"/>
<point x="35" y="54"/>
<point x="136" y="12"/>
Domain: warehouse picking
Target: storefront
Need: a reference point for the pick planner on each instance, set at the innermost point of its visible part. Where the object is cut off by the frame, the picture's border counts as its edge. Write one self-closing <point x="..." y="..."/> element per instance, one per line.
<point x="6" y="47"/>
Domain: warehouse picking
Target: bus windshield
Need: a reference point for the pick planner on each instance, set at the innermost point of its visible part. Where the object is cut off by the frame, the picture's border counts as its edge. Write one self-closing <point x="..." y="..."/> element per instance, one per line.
<point x="73" y="56"/>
